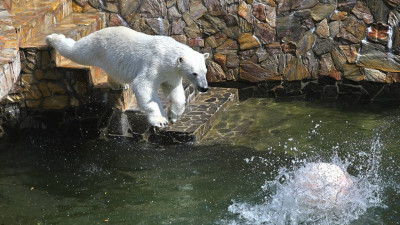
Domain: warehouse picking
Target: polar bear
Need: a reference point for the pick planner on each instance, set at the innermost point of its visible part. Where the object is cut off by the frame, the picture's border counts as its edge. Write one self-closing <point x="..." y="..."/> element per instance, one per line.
<point x="322" y="183"/>
<point x="146" y="62"/>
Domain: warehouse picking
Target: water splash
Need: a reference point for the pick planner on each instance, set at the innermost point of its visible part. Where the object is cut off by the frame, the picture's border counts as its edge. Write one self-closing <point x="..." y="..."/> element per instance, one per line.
<point x="298" y="196"/>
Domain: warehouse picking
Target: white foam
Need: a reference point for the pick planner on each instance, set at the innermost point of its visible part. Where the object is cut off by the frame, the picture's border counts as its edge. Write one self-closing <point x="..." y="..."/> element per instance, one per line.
<point x="316" y="193"/>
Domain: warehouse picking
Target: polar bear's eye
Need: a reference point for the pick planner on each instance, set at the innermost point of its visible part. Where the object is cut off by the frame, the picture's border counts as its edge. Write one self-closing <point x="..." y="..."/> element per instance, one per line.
<point x="194" y="74"/>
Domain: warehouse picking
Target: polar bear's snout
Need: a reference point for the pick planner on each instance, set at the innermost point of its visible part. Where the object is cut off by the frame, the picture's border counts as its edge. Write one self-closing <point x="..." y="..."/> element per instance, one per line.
<point x="199" y="80"/>
<point x="194" y="69"/>
<point x="202" y="89"/>
<point x="201" y="84"/>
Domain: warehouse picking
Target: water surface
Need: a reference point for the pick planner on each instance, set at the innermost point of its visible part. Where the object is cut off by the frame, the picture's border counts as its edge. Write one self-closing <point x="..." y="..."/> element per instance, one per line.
<point x="54" y="181"/>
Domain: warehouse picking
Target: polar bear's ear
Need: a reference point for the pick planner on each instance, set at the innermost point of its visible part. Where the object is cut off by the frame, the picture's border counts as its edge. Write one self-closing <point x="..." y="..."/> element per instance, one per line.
<point x="180" y="60"/>
<point x="206" y="55"/>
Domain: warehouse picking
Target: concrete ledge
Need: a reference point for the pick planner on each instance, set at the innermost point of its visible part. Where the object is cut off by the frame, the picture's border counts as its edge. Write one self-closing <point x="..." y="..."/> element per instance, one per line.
<point x="195" y="122"/>
<point x="198" y="118"/>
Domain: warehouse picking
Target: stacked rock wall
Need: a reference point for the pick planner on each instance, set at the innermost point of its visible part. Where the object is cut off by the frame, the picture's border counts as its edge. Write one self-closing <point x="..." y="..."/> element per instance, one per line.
<point x="319" y="48"/>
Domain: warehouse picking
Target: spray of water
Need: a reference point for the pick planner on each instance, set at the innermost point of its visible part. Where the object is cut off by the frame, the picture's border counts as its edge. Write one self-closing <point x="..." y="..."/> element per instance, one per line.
<point x="318" y="192"/>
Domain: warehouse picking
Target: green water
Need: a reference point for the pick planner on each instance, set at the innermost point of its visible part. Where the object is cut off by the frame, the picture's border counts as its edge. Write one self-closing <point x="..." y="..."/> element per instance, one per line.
<point x="53" y="181"/>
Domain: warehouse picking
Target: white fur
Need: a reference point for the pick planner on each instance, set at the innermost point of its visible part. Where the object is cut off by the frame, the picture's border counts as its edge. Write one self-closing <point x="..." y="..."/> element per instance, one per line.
<point x="144" y="61"/>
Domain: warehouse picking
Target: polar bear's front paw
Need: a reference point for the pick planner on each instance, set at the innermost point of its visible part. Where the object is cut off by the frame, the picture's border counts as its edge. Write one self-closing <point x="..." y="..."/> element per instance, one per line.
<point x="176" y="111"/>
<point x="158" y="121"/>
<point x="174" y="117"/>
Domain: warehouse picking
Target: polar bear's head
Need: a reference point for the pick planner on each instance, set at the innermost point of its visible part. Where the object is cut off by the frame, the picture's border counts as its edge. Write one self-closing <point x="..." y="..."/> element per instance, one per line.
<point x="193" y="67"/>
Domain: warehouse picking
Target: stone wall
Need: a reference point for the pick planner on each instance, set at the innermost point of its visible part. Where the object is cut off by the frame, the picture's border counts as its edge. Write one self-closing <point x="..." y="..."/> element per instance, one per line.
<point x="338" y="45"/>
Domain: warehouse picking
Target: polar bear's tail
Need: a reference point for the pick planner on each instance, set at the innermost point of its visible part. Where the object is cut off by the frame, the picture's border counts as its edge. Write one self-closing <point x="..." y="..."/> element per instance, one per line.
<point x="66" y="47"/>
<point x="62" y="44"/>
